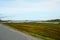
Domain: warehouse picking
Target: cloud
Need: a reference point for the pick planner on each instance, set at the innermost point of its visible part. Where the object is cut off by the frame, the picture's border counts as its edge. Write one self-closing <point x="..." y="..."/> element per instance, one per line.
<point x="8" y="10"/>
<point x="41" y="6"/>
<point x="24" y="6"/>
<point x="25" y="10"/>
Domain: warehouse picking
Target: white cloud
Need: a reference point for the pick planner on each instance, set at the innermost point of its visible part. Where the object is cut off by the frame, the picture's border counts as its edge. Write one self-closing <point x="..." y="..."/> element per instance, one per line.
<point x="42" y="6"/>
<point x="7" y="10"/>
<point x="25" y="10"/>
<point x="27" y="7"/>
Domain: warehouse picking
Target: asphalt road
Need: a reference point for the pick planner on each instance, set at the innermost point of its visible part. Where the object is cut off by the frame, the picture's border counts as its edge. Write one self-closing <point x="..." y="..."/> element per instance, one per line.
<point x="7" y="33"/>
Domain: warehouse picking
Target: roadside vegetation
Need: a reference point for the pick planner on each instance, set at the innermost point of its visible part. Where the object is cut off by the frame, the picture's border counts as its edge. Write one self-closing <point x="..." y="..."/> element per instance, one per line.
<point x="45" y="31"/>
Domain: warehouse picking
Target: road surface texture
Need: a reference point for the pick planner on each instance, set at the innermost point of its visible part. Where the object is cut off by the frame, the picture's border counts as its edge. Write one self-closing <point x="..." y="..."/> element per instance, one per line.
<point x="7" y="33"/>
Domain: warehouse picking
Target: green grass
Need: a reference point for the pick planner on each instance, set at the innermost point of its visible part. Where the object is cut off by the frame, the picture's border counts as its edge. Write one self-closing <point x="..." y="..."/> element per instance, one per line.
<point x="40" y="30"/>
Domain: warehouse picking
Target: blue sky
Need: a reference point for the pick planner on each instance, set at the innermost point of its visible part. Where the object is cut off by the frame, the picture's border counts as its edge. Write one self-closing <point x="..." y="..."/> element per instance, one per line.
<point x="30" y="9"/>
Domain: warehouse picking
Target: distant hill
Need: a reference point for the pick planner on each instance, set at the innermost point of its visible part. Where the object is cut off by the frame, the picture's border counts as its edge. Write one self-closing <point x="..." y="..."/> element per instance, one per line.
<point x="54" y="20"/>
<point x="47" y="21"/>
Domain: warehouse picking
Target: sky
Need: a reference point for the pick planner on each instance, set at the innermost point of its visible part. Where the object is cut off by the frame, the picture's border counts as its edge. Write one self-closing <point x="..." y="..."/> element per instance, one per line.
<point x="29" y="9"/>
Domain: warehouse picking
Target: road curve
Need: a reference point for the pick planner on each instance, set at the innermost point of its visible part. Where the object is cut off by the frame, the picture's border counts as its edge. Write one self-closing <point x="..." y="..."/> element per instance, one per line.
<point x="7" y="33"/>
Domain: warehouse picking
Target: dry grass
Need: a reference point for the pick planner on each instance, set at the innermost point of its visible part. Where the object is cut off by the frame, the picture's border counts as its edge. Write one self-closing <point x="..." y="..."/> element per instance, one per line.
<point x="46" y="31"/>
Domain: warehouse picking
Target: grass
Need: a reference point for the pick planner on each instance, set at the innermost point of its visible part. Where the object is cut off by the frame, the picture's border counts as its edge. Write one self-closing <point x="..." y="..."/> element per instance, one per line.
<point x="40" y="30"/>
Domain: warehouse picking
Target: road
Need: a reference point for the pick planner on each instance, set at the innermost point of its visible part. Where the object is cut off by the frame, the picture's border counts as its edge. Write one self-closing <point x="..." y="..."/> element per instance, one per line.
<point x="7" y="33"/>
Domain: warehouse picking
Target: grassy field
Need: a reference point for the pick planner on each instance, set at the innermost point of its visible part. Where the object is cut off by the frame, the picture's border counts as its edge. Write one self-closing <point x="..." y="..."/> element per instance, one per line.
<point x="40" y="30"/>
